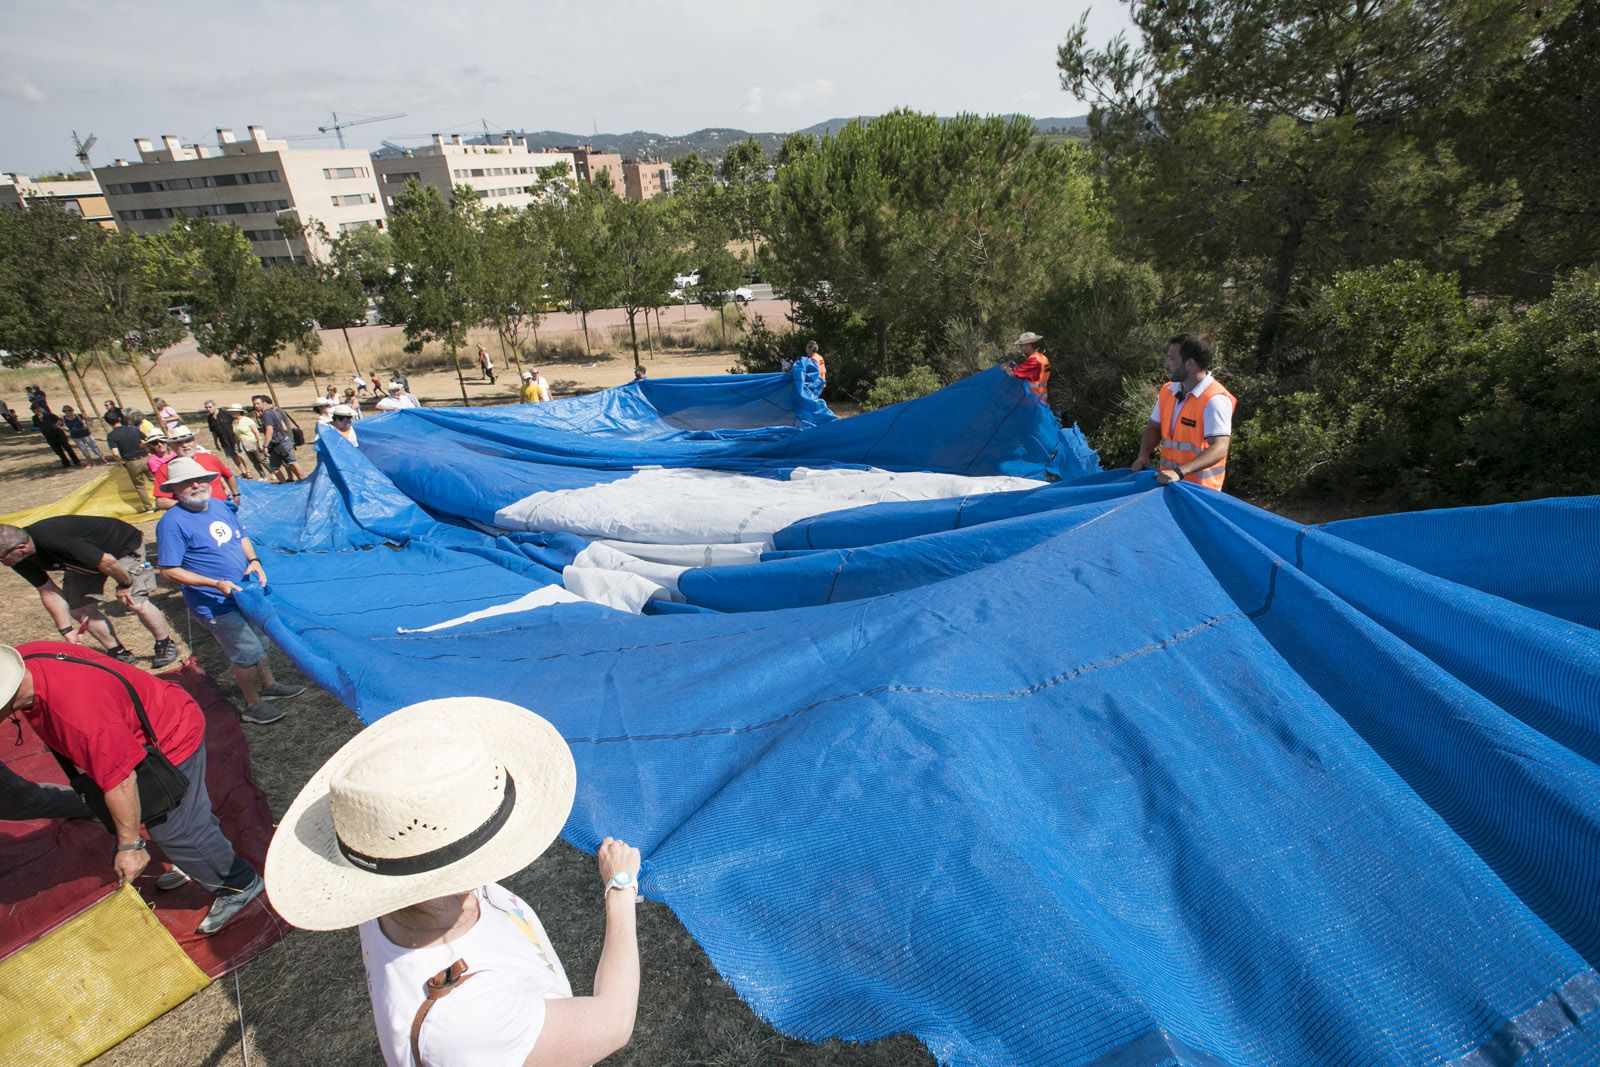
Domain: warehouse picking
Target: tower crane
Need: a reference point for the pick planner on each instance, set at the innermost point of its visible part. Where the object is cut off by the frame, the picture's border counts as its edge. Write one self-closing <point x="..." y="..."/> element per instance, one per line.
<point x="83" y="145"/>
<point x="338" y="127"/>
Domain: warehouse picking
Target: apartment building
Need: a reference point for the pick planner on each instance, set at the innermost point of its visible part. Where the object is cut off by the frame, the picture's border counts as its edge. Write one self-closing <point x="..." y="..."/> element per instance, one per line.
<point x="645" y="178"/>
<point x="78" y="195"/>
<point x="501" y="173"/>
<point x="253" y="183"/>
<point x="591" y="165"/>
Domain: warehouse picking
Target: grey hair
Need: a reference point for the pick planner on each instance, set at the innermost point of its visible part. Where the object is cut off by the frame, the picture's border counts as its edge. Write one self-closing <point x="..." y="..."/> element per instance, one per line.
<point x="11" y="537"/>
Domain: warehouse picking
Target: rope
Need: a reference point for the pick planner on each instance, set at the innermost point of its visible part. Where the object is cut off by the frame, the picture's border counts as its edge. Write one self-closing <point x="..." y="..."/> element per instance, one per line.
<point x="238" y="1000"/>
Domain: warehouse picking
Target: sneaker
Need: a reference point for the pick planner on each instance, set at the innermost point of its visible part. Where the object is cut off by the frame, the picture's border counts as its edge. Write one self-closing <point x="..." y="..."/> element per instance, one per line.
<point x="228" y="904"/>
<point x="166" y="652"/>
<point x="122" y="655"/>
<point x="173" y="879"/>
<point x="260" y="713"/>
<point x="283" y="690"/>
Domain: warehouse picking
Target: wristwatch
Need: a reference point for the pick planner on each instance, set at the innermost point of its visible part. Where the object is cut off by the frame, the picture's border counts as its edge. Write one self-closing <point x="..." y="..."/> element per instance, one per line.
<point x="133" y="846"/>
<point x="622" y="880"/>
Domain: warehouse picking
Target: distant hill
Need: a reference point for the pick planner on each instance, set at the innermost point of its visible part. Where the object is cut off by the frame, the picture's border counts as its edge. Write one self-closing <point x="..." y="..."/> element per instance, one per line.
<point x="713" y="141"/>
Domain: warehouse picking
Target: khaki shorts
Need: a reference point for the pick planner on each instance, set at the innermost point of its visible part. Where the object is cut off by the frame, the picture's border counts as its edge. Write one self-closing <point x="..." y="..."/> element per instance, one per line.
<point x="87" y="590"/>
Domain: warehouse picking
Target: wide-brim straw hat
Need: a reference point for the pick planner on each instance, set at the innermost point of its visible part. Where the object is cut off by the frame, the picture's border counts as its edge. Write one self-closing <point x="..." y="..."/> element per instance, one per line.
<point x="433" y="800"/>
<point x="183" y="469"/>
<point x="1029" y="338"/>
<point x="11" y="671"/>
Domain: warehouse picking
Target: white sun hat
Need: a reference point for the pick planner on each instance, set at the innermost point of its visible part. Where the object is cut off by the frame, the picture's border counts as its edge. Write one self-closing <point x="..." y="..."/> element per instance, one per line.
<point x="342" y="411"/>
<point x="435" y="799"/>
<point x="183" y="469"/>
<point x="11" y="670"/>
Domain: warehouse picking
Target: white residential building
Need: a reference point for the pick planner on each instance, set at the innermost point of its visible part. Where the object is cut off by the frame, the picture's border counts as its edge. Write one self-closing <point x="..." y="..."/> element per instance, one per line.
<point x="253" y="183"/>
<point x="500" y="173"/>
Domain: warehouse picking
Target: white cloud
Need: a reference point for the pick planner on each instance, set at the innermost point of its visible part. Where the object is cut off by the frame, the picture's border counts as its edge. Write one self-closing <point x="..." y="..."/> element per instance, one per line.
<point x="754" y="101"/>
<point x="804" y="95"/>
<point x="16" y="87"/>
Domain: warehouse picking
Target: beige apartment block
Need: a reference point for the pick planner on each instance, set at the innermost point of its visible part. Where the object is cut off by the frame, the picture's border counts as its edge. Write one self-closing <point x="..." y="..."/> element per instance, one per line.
<point x="646" y="178"/>
<point x="502" y="174"/>
<point x="593" y="165"/>
<point x="253" y="183"/>
<point x="79" y="196"/>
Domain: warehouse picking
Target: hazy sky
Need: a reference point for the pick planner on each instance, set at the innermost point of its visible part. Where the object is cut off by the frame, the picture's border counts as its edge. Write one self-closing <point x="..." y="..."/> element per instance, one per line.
<point x="142" y="68"/>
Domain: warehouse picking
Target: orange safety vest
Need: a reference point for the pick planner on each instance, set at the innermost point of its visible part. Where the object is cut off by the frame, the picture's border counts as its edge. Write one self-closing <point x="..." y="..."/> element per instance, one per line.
<point x="1184" y="437"/>
<point x="822" y="366"/>
<point x="1038" y="377"/>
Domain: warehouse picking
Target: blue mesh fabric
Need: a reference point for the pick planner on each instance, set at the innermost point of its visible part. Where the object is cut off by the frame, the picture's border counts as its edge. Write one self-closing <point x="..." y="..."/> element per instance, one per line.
<point x="1098" y="773"/>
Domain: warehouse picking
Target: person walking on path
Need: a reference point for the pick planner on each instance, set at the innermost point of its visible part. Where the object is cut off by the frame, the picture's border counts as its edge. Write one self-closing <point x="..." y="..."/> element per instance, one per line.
<point x="406" y="833"/>
<point x="170" y="419"/>
<point x="1192" y="420"/>
<point x="88" y="549"/>
<point x="126" y="446"/>
<point x="110" y="409"/>
<point x="248" y="434"/>
<point x="97" y="716"/>
<point x="535" y="390"/>
<point x="1034" y="366"/>
<point x="82" y="439"/>
<point x="276" y="440"/>
<point x="485" y="365"/>
<point x="222" y="436"/>
<point x="55" y="435"/>
<point x="201" y="546"/>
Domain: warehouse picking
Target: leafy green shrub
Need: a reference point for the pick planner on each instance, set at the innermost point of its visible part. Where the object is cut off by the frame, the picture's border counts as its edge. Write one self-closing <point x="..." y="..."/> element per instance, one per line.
<point x="918" y="381"/>
<point x="762" y="350"/>
<point x="1532" y="432"/>
<point x="1390" y="366"/>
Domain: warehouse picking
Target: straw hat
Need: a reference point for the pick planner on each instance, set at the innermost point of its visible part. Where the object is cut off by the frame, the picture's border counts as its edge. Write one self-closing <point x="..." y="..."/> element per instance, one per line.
<point x="180" y="433"/>
<point x="237" y="409"/>
<point x="437" y="798"/>
<point x="343" y="411"/>
<point x="1029" y="338"/>
<point x="11" y="671"/>
<point x="183" y="469"/>
<point x="321" y="402"/>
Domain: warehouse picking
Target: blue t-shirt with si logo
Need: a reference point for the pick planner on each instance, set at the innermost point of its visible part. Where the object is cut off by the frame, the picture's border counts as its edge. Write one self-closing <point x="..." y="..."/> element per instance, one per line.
<point x="207" y="543"/>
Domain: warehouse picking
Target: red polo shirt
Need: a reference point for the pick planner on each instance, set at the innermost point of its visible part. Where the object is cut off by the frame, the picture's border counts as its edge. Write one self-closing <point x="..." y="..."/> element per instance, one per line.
<point x="85" y="714"/>
<point x="219" y="488"/>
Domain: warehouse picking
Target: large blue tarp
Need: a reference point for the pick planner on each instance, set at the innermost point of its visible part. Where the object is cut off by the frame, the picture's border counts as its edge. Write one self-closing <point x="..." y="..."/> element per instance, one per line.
<point x="1093" y="773"/>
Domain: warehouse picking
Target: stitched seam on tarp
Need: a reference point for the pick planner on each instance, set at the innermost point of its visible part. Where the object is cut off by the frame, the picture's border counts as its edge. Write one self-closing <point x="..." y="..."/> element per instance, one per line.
<point x="1037" y="687"/>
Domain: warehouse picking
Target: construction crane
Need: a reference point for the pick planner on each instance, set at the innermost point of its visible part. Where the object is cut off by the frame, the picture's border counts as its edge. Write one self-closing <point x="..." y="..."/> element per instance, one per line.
<point x="338" y="127"/>
<point x="83" y="145"/>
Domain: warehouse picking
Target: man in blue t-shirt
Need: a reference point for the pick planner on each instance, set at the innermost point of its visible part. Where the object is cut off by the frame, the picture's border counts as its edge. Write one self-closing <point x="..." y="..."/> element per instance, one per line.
<point x="202" y="547"/>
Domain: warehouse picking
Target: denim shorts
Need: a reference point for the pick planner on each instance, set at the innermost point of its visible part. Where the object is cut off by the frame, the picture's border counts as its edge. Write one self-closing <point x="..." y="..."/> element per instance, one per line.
<point x="241" y="642"/>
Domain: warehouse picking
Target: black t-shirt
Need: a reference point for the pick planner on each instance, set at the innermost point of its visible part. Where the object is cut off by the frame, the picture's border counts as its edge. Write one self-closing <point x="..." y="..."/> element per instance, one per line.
<point x="128" y="442"/>
<point x="76" y="542"/>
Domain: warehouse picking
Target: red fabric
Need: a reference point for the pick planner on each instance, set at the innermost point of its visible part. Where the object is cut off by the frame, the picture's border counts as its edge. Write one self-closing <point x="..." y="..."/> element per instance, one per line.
<point x="85" y="714"/>
<point x="219" y="488"/>
<point x="52" y="870"/>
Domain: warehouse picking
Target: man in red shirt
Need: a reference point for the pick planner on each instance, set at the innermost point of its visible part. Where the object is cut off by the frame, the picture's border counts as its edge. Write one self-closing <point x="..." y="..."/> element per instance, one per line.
<point x="223" y="487"/>
<point x="82" y="705"/>
<point x="1034" y="367"/>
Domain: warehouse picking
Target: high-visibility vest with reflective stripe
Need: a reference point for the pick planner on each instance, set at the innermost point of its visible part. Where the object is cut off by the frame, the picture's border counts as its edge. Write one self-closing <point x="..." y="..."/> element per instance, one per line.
<point x="1185" y="438"/>
<point x="1040" y="385"/>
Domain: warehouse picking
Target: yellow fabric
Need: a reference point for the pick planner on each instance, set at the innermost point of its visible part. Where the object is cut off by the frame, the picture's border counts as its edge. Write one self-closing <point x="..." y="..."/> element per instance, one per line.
<point x="110" y="495"/>
<point x="91" y="982"/>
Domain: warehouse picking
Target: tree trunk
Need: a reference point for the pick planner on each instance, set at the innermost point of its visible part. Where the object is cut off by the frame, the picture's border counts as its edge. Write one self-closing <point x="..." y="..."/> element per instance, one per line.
<point x="105" y="372"/>
<point x="584" y="315"/>
<point x="722" y="323"/>
<point x="144" y="382"/>
<point x="351" y="349"/>
<point x="515" y="357"/>
<point x="649" y="338"/>
<point x="311" y="366"/>
<point x="89" y="411"/>
<point x="272" y="390"/>
<point x="536" y="339"/>
<point x="1282" y="283"/>
<point x="455" y="361"/>
<point x="72" y="387"/>
<point x="634" y="334"/>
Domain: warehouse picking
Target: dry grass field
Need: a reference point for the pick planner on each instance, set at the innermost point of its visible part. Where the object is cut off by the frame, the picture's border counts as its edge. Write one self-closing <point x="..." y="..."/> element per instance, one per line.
<point x="304" y="1002"/>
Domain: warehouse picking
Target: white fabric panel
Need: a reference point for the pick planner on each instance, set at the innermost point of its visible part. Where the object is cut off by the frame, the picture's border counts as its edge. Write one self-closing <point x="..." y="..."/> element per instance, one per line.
<point x="541" y="597"/>
<point x="606" y="558"/>
<point x="693" y="555"/>
<point x="677" y="507"/>
<point x="614" y="589"/>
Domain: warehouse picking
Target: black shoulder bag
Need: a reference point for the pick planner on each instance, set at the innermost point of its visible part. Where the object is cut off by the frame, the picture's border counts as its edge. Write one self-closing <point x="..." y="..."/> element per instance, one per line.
<point x="161" y="785"/>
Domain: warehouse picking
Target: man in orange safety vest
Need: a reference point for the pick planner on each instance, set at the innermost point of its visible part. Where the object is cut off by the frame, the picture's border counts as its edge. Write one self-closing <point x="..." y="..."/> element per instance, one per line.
<point x="1033" y="367"/>
<point x="1192" y="420"/>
